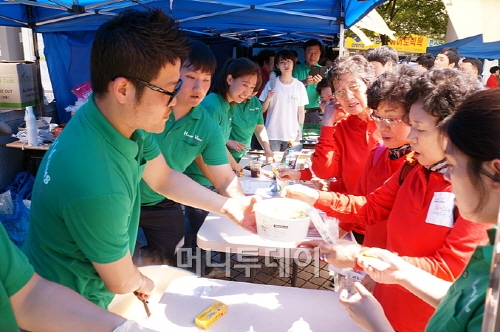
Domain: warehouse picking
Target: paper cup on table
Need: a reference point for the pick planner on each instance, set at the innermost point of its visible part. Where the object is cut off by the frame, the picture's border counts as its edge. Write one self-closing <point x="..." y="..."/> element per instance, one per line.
<point x="282" y="219"/>
<point x="277" y="167"/>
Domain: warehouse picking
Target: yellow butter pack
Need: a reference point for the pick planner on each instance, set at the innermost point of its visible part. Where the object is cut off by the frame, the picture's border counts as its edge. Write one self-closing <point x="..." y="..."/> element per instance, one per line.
<point x="210" y="315"/>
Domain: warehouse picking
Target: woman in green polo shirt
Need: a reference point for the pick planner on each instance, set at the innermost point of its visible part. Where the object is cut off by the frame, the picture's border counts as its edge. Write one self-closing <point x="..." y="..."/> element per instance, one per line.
<point x="473" y="155"/>
<point x="247" y="120"/>
<point x="236" y="82"/>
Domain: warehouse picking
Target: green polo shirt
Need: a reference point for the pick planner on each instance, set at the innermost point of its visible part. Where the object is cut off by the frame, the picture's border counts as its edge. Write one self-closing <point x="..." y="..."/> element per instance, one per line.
<point x="221" y="112"/>
<point x="300" y="72"/>
<point x="85" y="205"/>
<point x="184" y="140"/>
<point x="15" y="272"/>
<point x="247" y="116"/>
<point x="462" y="308"/>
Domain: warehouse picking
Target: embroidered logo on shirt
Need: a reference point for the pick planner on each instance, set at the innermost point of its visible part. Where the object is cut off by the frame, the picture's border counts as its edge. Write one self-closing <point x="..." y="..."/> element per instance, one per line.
<point x="196" y="137"/>
<point x="46" y="176"/>
<point x="473" y="296"/>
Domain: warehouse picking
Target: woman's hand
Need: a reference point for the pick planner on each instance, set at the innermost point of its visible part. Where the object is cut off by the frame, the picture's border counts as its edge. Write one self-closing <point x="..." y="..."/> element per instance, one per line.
<point x="330" y="113"/>
<point x="395" y="269"/>
<point x="342" y="254"/>
<point x="289" y="174"/>
<point x="301" y="192"/>
<point x="365" y="310"/>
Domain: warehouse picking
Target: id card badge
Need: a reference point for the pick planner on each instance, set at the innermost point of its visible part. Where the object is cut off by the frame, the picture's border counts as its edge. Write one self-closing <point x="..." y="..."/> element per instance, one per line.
<point x="441" y="209"/>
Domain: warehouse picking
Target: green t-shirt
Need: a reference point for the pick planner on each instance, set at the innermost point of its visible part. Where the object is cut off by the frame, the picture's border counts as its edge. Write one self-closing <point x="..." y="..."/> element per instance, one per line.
<point x="86" y="204"/>
<point x="247" y="116"/>
<point x="182" y="141"/>
<point x="300" y="72"/>
<point x="221" y="112"/>
<point x="15" y="272"/>
<point x="462" y="308"/>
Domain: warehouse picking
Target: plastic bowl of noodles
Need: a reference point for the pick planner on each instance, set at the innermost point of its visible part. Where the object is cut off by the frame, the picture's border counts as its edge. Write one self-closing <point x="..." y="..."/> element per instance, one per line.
<point x="282" y="219"/>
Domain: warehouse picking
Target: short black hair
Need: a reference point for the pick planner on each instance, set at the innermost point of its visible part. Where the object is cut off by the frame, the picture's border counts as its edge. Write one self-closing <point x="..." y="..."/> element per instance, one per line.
<point x="426" y="60"/>
<point x="135" y="44"/>
<point x="321" y="85"/>
<point x="200" y="57"/>
<point x="284" y="54"/>
<point x="494" y="69"/>
<point x="383" y="54"/>
<point x="452" y="54"/>
<point x="264" y="56"/>
<point x="474" y="62"/>
<point x="313" y="42"/>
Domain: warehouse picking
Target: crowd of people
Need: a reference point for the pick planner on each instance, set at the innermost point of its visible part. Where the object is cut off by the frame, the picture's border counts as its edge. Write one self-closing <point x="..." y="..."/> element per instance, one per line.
<point x="413" y="150"/>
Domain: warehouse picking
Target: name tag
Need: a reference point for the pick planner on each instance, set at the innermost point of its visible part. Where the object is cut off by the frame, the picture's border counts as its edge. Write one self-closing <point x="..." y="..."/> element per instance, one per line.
<point x="441" y="209"/>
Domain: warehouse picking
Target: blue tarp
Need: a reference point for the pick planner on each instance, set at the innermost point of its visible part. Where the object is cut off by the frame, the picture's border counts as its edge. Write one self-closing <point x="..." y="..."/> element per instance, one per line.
<point x="472" y="47"/>
<point x="68" y="26"/>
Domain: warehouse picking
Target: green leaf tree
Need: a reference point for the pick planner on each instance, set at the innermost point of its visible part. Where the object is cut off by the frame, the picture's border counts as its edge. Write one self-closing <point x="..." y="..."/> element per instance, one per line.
<point x="421" y="17"/>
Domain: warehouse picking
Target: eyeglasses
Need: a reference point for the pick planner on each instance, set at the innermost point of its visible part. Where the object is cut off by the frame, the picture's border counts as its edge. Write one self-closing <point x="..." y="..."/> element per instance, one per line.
<point x="326" y="101"/>
<point x="390" y="122"/>
<point x="158" y="89"/>
<point x="343" y="93"/>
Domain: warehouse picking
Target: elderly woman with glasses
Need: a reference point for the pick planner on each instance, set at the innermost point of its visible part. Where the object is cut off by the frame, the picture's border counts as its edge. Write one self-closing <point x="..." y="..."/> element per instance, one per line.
<point x="343" y="148"/>
<point x="423" y="225"/>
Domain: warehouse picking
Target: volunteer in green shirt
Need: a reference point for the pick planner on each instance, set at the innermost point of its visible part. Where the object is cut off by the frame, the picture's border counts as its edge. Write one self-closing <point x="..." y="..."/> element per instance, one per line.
<point x="473" y="155"/>
<point x="238" y="79"/>
<point x="189" y="133"/>
<point x="86" y="200"/>
<point x="32" y="303"/>
<point x="312" y="53"/>
<point x="247" y="120"/>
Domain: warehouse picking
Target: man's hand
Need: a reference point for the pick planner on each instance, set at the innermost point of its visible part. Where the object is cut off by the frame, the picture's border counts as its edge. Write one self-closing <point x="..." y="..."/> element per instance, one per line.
<point x="240" y="210"/>
<point x="143" y="293"/>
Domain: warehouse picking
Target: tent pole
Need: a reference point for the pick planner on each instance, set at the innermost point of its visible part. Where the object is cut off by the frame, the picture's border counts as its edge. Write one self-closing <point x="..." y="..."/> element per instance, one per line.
<point x="36" y="51"/>
<point x="341" y="40"/>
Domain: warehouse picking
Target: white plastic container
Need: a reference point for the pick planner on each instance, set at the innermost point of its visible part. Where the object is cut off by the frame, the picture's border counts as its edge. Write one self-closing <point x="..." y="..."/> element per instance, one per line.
<point x="31" y="126"/>
<point x="282" y="229"/>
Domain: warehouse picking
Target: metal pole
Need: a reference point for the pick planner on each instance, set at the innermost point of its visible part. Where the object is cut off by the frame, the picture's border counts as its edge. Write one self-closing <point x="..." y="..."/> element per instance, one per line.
<point x="36" y="51"/>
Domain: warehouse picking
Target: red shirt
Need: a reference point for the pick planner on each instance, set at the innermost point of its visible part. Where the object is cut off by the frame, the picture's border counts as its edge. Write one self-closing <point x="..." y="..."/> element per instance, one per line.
<point x="375" y="173"/>
<point x="492" y="82"/>
<point x="440" y="250"/>
<point x="348" y="144"/>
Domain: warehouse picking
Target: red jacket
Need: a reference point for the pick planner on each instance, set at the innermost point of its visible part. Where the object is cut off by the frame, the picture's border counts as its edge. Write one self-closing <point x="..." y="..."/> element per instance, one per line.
<point x="492" y="82"/>
<point x="379" y="167"/>
<point x="348" y="144"/>
<point x="440" y="250"/>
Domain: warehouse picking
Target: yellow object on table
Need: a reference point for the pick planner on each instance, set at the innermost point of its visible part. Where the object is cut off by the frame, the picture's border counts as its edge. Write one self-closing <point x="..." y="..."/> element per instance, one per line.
<point x="210" y="315"/>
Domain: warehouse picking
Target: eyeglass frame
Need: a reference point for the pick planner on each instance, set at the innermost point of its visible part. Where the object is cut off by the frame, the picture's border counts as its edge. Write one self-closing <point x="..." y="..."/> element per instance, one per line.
<point x="342" y="93"/>
<point x="153" y="87"/>
<point x="388" y="121"/>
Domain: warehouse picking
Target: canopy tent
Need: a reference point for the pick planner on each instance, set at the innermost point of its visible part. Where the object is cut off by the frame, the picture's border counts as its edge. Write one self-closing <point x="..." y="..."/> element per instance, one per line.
<point x="68" y="26"/>
<point x="473" y="47"/>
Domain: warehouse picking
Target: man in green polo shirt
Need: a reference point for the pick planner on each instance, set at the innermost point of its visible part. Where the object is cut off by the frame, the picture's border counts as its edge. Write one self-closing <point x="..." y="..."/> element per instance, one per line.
<point x="189" y="132"/>
<point x="312" y="53"/>
<point x="35" y="304"/>
<point x="86" y="198"/>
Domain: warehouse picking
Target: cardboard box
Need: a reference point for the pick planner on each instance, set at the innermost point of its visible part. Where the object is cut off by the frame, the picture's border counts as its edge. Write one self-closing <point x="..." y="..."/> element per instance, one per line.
<point x="18" y="84"/>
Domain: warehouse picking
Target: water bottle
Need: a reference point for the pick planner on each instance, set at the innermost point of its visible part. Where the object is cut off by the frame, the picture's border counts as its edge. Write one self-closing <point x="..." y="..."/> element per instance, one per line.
<point x="31" y="127"/>
<point x="290" y="158"/>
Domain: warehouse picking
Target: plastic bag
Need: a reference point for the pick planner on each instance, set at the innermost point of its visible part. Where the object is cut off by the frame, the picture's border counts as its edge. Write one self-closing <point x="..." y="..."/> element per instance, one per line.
<point x="22" y="185"/>
<point x="16" y="223"/>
